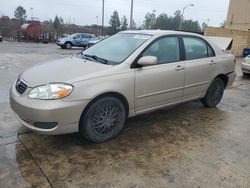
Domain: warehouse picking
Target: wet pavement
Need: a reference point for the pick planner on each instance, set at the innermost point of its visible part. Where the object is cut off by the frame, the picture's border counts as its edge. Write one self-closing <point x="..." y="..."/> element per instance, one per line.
<point x="183" y="146"/>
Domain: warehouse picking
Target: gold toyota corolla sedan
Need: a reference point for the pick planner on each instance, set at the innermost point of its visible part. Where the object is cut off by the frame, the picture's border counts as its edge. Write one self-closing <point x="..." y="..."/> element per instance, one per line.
<point x="130" y="73"/>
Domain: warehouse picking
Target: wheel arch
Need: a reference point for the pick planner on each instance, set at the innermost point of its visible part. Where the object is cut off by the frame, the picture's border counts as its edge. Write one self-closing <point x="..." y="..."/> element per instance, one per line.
<point x="224" y="78"/>
<point x="68" y="42"/>
<point x="117" y="95"/>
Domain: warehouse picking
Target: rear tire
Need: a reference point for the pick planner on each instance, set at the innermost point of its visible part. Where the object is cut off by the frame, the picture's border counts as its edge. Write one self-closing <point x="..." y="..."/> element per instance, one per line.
<point x="246" y="74"/>
<point x="104" y="120"/>
<point x="214" y="93"/>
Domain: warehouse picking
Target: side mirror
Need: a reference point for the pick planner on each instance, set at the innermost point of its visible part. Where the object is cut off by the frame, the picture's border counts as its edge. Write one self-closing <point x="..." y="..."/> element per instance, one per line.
<point x="147" y="60"/>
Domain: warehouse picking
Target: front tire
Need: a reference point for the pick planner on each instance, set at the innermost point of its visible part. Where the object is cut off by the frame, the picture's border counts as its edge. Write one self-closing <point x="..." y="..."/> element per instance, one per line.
<point x="214" y="93"/>
<point x="68" y="45"/>
<point x="104" y="120"/>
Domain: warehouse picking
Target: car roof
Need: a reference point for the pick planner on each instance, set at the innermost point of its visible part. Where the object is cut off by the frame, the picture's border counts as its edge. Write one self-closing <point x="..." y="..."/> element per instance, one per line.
<point x="160" y="32"/>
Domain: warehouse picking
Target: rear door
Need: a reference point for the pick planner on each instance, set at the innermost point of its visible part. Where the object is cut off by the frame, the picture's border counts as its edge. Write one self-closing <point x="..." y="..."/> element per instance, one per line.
<point x="161" y="84"/>
<point x="200" y="66"/>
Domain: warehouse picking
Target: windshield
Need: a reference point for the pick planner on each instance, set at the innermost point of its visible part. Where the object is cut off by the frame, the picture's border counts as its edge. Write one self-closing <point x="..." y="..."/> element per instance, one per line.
<point x="117" y="48"/>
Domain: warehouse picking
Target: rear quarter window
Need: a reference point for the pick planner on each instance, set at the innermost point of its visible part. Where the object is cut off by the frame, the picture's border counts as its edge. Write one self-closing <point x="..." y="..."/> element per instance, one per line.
<point x="210" y="51"/>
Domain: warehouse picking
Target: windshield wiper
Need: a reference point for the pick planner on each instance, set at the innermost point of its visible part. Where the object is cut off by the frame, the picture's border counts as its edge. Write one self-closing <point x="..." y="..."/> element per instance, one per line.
<point x="99" y="59"/>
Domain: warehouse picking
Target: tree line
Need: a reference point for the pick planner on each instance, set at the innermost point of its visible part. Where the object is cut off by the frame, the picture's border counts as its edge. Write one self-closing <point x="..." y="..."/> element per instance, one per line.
<point x="151" y="21"/>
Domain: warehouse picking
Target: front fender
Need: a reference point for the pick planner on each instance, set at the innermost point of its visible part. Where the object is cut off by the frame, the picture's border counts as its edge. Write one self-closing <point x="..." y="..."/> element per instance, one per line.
<point x="90" y="89"/>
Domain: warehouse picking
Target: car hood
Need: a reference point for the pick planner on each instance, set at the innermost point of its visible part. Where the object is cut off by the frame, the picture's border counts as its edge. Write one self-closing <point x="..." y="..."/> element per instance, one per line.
<point x="67" y="70"/>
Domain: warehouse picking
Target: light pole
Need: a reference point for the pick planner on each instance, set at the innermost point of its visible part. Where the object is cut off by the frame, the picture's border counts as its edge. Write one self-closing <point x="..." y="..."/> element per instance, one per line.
<point x="182" y="14"/>
<point x="102" y="16"/>
<point x="97" y="17"/>
<point x="131" y="14"/>
<point x="208" y="20"/>
<point x="31" y="10"/>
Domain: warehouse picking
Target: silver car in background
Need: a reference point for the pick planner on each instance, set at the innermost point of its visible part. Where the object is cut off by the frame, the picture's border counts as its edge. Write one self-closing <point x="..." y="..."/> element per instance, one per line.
<point x="127" y="74"/>
<point x="77" y="39"/>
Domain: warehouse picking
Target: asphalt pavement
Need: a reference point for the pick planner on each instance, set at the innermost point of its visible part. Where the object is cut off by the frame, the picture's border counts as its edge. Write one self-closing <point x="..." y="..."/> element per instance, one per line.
<point x="182" y="146"/>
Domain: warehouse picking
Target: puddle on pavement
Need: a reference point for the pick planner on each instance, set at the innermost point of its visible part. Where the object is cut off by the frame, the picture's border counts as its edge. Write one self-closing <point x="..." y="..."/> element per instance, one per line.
<point x="151" y="149"/>
<point x="4" y="67"/>
<point x="159" y="148"/>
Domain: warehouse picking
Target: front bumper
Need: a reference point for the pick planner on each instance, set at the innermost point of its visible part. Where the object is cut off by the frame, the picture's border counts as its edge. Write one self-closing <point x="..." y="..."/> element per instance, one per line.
<point x="59" y="43"/>
<point x="64" y="115"/>
<point x="245" y="67"/>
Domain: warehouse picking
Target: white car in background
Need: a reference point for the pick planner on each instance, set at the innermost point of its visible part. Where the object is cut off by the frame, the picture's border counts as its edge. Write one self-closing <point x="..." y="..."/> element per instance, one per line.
<point x="245" y="66"/>
<point x="77" y="39"/>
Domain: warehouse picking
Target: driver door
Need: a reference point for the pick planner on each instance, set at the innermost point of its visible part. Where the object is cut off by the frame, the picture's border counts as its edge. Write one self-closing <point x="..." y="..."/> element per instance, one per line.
<point x="77" y="40"/>
<point x="162" y="84"/>
<point x="85" y="40"/>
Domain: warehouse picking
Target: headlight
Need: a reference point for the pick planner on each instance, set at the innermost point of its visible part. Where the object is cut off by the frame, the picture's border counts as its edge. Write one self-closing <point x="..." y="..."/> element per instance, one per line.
<point x="51" y="91"/>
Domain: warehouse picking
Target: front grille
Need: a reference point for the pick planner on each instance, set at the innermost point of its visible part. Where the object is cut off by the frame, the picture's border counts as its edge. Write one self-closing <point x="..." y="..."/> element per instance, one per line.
<point x="21" y="86"/>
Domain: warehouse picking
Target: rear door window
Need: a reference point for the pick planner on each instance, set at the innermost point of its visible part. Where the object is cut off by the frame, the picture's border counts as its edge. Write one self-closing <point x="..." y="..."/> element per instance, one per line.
<point x="196" y="48"/>
<point x="210" y="51"/>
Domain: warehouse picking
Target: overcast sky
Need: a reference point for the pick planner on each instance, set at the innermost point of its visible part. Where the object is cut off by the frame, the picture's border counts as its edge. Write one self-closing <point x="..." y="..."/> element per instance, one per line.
<point x="84" y="12"/>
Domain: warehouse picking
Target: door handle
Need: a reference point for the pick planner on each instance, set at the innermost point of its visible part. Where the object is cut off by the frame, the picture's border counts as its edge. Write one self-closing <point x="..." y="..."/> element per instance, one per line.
<point x="179" y="68"/>
<point x="212" y="62"/>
